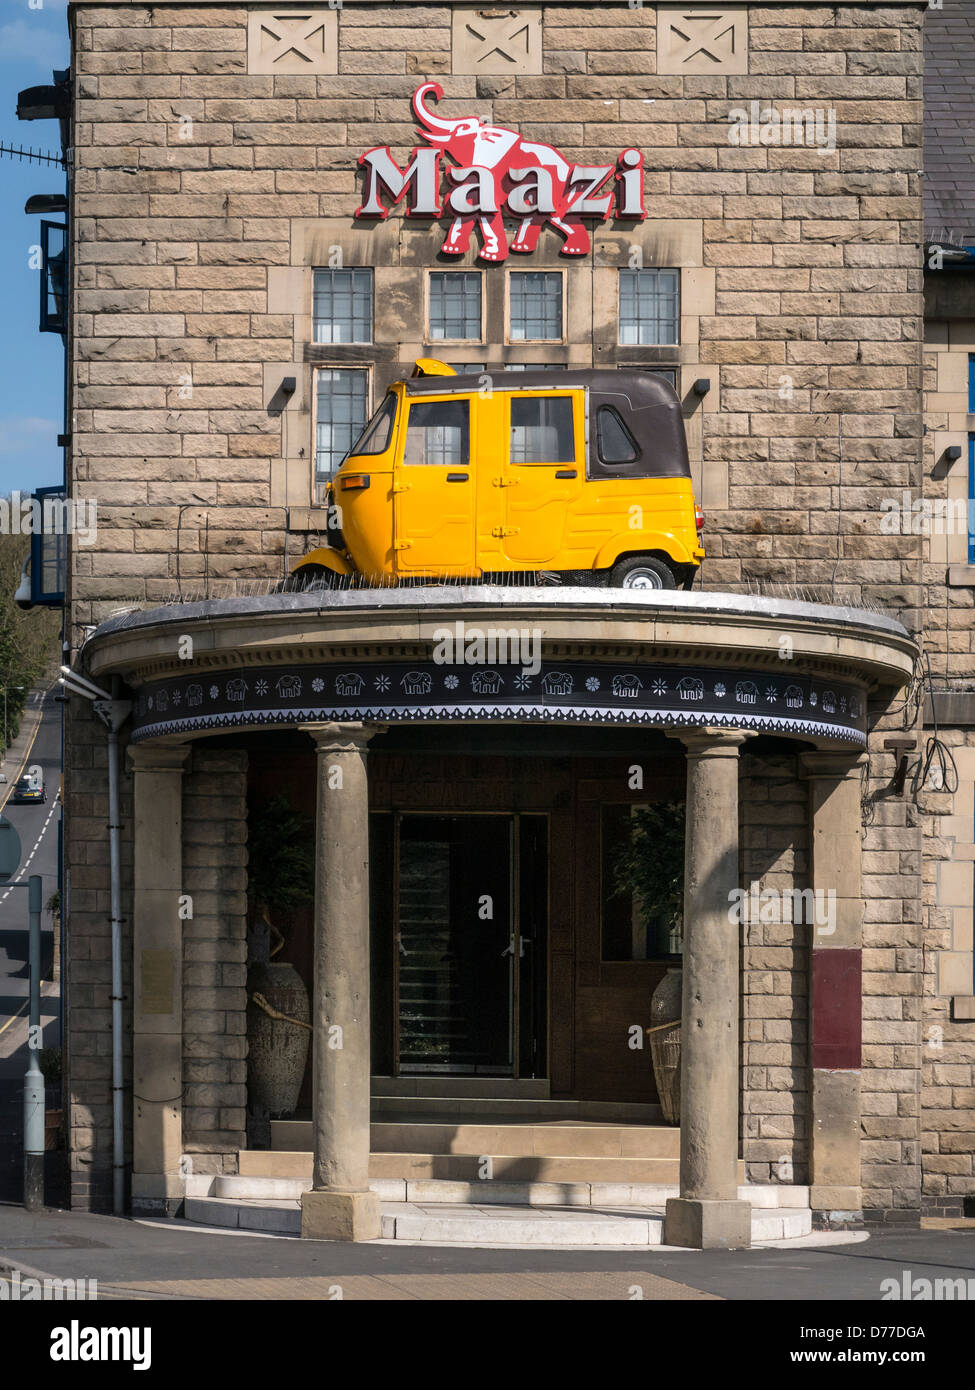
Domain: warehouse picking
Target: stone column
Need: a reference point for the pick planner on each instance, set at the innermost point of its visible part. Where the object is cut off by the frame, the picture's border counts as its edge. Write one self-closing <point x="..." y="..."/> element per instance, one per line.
<point x="157" y="972"/>
<point x="835" y="981"/>
<point x="340" y="1205"/>
<point x="707" y="1214"/>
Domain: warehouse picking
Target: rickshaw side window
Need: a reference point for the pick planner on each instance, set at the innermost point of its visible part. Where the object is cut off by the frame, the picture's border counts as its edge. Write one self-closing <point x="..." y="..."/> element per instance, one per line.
<point x="614" y="442"/>
<point x="541" y="430"/>
<point x="438" y="434"/>
<point x="375" y="438"/>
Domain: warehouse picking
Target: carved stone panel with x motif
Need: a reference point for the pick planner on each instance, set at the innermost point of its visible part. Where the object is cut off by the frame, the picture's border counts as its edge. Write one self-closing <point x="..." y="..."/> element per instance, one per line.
<point x="292" y="41"/>
<point x="698" y="39"/>
<point x="497" y="40"/>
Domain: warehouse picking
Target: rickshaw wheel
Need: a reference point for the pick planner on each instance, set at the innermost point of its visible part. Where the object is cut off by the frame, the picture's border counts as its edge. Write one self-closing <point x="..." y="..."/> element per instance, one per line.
<point x="642" y="572"/>
<point x="313" y="577"/>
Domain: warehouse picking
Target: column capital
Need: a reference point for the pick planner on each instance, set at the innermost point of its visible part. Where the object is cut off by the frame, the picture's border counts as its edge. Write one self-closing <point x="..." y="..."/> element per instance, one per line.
<point x="833" y="765"/>
<point x="153" y="756"/>
<point x="342" y="738"/>
<point x="711" y="741"/>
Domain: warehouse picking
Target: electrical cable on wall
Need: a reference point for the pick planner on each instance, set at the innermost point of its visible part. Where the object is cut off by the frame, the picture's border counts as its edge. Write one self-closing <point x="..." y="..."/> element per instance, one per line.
<point x="937" y="760"/>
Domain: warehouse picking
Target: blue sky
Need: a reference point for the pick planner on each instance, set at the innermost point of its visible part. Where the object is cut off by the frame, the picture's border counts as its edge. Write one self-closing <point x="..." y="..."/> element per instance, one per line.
<point x="32" y="43"/>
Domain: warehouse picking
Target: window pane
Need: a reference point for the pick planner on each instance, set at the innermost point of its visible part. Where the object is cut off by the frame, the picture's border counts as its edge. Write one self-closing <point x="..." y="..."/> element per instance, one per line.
<point x="343" y="306"/>
<point x="455" y="305"/>
<point x="340" y="416"/>
<point x="642" y="880"/>
<point x="541" y="429"/>
<point x="614" y="442"/>
<point x="376" y="436"/>
<point x="438" y="434"/>
<point x="649" y="307"/>
<point x="536" y="304"/>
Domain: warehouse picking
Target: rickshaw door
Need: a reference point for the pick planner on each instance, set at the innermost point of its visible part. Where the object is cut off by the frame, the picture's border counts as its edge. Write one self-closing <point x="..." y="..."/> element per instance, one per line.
<point x="543" y="472"/>
<point x="434" y="489"/>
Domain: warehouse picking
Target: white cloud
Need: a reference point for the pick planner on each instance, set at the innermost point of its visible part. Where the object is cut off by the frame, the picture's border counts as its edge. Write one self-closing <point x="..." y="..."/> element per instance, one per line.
<point x="26" y="434"/>
<point x="36" y="40"/>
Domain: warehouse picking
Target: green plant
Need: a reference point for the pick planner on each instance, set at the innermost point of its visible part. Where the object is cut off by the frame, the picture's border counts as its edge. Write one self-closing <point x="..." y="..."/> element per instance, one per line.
<point x="49" y="1061"/>
<point x="53" y="904"/>
<point x="650" y="864"/>
<point x="281" y="855"/>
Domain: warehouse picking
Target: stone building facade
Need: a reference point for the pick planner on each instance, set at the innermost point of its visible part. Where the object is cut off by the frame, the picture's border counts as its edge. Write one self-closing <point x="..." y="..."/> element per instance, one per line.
<point x="234" y="320"/>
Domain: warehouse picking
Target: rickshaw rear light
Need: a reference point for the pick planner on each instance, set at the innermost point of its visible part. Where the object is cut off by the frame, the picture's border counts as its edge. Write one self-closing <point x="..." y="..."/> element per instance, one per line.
<point x="699" y="518"/>
<point x="354" y="480"/>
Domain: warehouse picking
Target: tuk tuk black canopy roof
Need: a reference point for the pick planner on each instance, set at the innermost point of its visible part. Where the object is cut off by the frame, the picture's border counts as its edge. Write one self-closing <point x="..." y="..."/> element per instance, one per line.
<point x="645" y="401"/>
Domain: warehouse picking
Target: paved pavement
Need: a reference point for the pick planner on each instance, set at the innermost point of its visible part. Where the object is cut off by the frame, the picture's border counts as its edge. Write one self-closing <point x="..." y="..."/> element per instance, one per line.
<point x="173" y="1260"/>
<point x="38" y="742"/>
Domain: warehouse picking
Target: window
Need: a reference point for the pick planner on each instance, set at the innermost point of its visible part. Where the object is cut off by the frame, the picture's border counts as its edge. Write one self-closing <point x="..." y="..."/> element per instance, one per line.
<point x="438" y="434"/>
<point x="377" y="434"/>
<point x="343" y="306"/>
<point x="340" y="413"/>
<point x="54" y="278"/>
<point x="971" y="461"/>
<point x="614" y="442"/>
<point x="455" y="305"/>
<point x="541" y="429"/>
<point x="535" y="304"/>
<point x="649" y="307"/>
<point x="642" y="880"/>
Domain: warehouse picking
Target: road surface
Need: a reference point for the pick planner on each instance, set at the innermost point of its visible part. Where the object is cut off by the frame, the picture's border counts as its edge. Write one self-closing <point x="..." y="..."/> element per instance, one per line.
<point x="37" y="826"/>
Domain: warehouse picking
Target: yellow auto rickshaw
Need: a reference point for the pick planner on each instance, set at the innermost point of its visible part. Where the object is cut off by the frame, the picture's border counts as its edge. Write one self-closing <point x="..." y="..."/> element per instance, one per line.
<point x="580" y="476"/>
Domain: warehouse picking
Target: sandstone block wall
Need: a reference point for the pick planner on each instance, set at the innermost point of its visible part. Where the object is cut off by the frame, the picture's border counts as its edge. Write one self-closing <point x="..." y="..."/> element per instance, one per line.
<point x="215" y="959"/>
<point x="205" y="194"/>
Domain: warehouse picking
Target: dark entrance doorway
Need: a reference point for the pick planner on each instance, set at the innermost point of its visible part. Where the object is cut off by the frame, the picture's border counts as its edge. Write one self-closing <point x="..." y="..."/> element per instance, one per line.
<point x="468" y="944"/>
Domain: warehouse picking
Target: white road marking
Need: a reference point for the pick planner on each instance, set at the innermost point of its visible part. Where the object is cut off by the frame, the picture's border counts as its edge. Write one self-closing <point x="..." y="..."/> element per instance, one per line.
<point x="37" y="843"/>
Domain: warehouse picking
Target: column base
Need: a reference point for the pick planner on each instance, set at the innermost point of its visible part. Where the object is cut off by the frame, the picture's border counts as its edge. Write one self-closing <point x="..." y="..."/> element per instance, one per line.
<point x="328" y="1215"/>
<point x="700" y="1224"/>
<point x="834" y="1197"/>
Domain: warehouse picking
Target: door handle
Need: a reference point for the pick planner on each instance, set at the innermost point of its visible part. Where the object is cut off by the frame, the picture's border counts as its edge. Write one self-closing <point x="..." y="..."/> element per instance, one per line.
<point x="457" y="477"/>
<point x="567" y="473"/>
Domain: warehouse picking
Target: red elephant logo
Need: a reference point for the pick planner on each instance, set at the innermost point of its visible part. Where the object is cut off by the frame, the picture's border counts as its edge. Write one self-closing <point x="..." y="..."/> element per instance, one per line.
<point x="494" y="171"/>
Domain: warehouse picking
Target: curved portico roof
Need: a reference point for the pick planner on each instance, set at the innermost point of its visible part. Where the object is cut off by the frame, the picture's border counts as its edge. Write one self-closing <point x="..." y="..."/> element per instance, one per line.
<point x="505" y="654"/>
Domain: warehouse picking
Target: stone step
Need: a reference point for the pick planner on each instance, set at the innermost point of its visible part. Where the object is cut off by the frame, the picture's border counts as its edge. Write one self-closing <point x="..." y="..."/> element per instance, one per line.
<point x="471" y="1167"/>
<point x="447" y="1132"/>
<point x="521" y="1109"/>
<point x="499" y="1225"/>
<point x="461" y="1087"/>
<point x="561" y="1137"/>
<point x="432" y="1190"/>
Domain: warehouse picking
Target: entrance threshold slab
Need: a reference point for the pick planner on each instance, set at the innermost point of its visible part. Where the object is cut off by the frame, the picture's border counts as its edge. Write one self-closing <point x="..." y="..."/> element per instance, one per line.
<point x="492" y="1193"/>
<point x="443" y="1223"/>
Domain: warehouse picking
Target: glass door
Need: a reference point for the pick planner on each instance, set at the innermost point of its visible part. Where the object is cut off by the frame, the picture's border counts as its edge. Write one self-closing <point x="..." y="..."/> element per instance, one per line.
<point x="456" y="945"/>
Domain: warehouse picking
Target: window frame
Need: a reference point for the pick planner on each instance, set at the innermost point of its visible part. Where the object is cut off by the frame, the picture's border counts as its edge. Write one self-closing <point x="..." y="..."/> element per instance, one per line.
<point x="353" y="341"/>
<point x="637" y="454"/>
<point x="647" y="270"/>
<point x="51" y="320"/>
<point x="971" y="461"/>
<point x="319" y="485"/>
<point x="509" y="339"/>
<point x="467" y="433"/>
<point x="579" y="424"/>
<point x="429" y="339"/>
